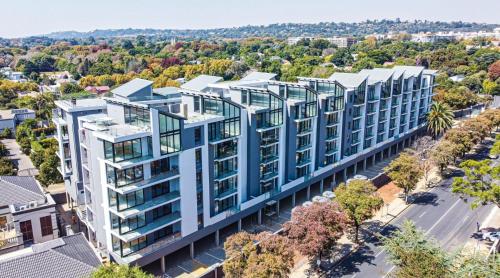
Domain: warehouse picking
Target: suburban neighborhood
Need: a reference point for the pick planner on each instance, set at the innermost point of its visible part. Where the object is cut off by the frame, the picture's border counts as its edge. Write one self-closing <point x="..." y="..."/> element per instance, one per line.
<point x="366" y="148"/>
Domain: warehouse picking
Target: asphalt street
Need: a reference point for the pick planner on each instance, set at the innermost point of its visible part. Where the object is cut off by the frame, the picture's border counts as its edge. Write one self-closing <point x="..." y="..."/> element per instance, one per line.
<point x="438" y="212"/>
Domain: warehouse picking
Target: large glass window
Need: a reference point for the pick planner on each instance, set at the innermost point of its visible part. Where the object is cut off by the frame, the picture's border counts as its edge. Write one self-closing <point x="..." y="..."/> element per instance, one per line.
<point x="46" y="225"/>
<point x="125" y="201"/>
<point x="225" y="186"/>
<point x="122" y="177"/>
<point x="123" y="151"/>
<point x="164" y="165"/>
<point x="225" y="167"/>
<point x="137" y="116"/>
<point x="226" y="149"/>
<point x="303" y="141"/>
<point x="170" y="134"/>
<point x="128" y="224"/>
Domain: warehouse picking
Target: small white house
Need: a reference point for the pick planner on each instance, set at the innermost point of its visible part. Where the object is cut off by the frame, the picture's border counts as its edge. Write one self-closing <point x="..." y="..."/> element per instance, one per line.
<point x="27" y="214"/>
<point x="11" y="118"/>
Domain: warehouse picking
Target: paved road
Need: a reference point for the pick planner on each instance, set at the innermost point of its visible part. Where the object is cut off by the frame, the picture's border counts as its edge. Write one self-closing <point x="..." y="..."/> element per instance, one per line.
<point x="441" y="214"/>
<point x="22" y="161"/>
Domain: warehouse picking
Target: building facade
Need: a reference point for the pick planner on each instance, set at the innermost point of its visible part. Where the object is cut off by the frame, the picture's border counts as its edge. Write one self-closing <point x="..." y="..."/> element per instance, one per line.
<point x="142" y="159"/>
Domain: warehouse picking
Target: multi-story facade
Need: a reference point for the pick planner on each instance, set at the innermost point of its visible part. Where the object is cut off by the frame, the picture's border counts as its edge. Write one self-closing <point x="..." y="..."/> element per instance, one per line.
<point x="145" y="156"/>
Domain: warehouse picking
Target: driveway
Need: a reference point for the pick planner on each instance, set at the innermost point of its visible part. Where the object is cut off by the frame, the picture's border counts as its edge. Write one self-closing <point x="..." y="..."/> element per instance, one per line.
<point x="21" y="161"/>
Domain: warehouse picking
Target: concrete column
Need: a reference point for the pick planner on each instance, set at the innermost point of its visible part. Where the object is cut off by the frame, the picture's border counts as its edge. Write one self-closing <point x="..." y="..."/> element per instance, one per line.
<point x="397" y="148"/>
<point x="321" y="187"/>
<point x="382" y="155"/>
<point x="344" y="172"/>
<point x="355" y="168"/>
<point x="239" y="225"/>
<point x="162" y="262"/>
<point x="333" y="180"/>
<point x="308" y="192"/>
<point x="364" y="164"/>
<point x="293" y="199"/>
<point x="259" y="217"/>
<point x="278" y="207"/>
<point x="373" y="160"/>
<point x="217" y="237"/>
<point x="191" y="250"/>
<point x="67" y="198"/>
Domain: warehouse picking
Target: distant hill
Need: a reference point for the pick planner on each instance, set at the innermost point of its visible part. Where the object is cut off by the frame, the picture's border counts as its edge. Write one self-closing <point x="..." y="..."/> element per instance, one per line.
<point x="287" y="30"/>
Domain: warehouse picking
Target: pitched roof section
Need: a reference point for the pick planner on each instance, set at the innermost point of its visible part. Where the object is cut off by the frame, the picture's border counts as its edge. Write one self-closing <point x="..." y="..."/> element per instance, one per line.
<point x="131" y="87"/>
<point x="201" y="82"/>
<point x="378" y="74"/>
<point x="348" y="80"/>
<point x="19" y="190"/>
<point x="257" y="75"/>
<point x="69" y="256"/>
<point x="410" y="70"/>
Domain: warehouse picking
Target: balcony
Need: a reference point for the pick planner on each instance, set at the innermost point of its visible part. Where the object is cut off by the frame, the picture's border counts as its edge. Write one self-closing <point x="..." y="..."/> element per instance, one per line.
<point x="331" y="151"/>
<point x="150" y="227"/>
<point x="9" y="236"/>
<point x="149" y="205"/>
<point x="269" y="158"/>
<point x="267" y="176"/>
<point x="225" y="175"/>
<point x="224" y="194"/>
<point x="146" y="183"/>
<point x="303" y="162"/>
<point x="269" y="140"/>
<point x="151" y="248"/>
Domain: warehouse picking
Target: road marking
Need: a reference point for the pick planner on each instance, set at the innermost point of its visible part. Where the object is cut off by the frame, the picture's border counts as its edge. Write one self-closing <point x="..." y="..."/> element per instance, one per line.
<point x="213" y="256"/>
<point x="422" y="214"/>
<point x="488" y="218"/>
<point x="378" y="254"/>
<point x="390" y="270"/>
<point x="354" y="275"/>
<point x="442" y="217"/>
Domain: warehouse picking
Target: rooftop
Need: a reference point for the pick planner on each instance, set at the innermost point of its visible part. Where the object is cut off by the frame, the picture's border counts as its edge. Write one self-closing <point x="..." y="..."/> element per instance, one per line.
<point x="69" y="256"/>
<point x="201" y="82"/>
<point x="349" y="80"/>
<point x="409" y="71"/>
<point x="9" y="114"/>
<point x="256" y="75"/>
<point x="81" y="104"/>
<point x="131" y="87"/>
<point x="19" y="190"/>
<point x="378" y="74"/>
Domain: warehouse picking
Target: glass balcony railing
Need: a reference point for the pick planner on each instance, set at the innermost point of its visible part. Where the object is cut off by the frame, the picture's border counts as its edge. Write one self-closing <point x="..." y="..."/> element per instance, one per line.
<point x="155" y="202"/>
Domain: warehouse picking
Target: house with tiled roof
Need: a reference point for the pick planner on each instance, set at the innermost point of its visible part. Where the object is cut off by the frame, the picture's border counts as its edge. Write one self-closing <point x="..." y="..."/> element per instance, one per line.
<point x="27" y="213"/>
<point x="69" y="256"/>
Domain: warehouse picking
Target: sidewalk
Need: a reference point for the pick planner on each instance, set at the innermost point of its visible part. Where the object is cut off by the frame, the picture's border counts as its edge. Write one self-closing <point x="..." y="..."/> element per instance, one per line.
<point x="394" y="205"/>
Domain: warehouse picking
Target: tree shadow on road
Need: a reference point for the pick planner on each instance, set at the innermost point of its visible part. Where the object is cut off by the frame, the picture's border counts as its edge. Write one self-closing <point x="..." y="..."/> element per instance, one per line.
<point x="425" y="198"/>
<point x="350" y="265"/>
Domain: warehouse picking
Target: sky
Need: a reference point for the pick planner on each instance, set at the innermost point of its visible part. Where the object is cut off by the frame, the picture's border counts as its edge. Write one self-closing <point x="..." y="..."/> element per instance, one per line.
<point x="20" y="18"/>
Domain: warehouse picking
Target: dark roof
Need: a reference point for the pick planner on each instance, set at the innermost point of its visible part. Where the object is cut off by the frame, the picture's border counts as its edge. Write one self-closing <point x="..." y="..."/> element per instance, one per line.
<point x="19" y="190"/>
<point x="69" y="256"/>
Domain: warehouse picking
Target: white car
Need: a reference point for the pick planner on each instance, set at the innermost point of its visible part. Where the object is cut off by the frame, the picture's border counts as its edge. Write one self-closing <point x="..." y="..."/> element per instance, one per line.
<point x="491" y="236"/>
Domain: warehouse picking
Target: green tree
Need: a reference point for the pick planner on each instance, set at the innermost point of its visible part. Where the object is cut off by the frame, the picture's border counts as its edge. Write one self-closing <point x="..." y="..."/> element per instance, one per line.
<point x="404" y="172"/>
<point x="119" y="271"/>
<point x="6" y="167"/>
<point x="476" y="266"/>
<point x="414" y="255"/>
<point x="69" y="88"/>
<point x="440" y="118"/>
<point x="359" y="201"/>
<point x="443" y="154"/>
<point x="48" y="173"/>
<point x="6" y="133"/>
<point x="479" y="182"/>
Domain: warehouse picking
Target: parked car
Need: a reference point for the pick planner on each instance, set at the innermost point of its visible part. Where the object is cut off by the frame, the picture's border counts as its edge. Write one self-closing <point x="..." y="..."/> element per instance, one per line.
<point x="492" y="236"/>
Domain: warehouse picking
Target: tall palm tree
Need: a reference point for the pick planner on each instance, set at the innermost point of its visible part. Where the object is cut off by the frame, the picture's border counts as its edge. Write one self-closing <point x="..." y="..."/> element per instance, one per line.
<point x="440" y="118"/>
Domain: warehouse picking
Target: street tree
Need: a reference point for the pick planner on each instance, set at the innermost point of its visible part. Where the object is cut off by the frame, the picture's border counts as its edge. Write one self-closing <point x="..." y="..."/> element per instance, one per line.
<point x="414" y="255"/>
<point x="358" y="199"/>
<point x="257" y="255"/>
<point x="475" y="266"/>
<point x="316" y="228"/>
<point x="461" y="138"/>
<point x="495" y="149"/>
<point x="480" y="183"/>
<point x="113" y="270"/>
<point x="443" y="154"/>
<point x="440" y="118"/>
<point x="403" y="173"/>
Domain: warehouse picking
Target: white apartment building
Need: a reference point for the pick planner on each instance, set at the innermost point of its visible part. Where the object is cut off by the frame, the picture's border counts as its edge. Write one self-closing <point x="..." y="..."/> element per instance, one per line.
<point x="151" y="171"/>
